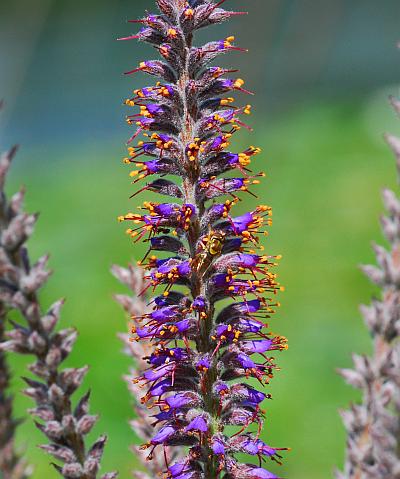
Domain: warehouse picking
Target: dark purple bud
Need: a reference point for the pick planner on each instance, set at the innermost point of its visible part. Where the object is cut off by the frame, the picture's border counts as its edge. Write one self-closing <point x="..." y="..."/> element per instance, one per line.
<point x="167" y="243"/>
<point x="164" y="187"/>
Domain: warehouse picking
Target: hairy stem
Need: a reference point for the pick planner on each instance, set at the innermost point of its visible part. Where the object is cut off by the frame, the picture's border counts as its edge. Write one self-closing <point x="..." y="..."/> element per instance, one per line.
<point x="197" y="284"/>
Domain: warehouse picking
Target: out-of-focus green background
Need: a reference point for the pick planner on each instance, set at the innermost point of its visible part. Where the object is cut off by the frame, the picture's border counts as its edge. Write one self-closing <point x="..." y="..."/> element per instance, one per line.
<point x="322" y="71"/>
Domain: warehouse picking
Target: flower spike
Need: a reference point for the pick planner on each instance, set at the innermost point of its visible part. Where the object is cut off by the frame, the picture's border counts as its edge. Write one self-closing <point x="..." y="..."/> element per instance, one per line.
<point x="200" y="354"/>
<point x="372" y="426"/>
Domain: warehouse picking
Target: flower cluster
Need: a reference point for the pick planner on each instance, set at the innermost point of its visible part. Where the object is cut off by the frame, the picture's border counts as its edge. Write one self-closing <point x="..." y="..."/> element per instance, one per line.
<point x="214" y="284"/>
<point x="373" y="427"/>
<point x="36" y="334"/>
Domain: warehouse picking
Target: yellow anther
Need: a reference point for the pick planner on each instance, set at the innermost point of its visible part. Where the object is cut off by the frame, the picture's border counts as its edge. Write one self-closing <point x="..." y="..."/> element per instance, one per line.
<point x="238" y="83"/>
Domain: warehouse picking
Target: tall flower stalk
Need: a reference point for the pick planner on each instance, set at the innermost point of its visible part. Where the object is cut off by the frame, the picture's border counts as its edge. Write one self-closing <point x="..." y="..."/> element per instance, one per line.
<point x="373" y="426"/>
<point x="12" y="465"/>
<point x="52" y="387"/>
<point x="206" y="324"/>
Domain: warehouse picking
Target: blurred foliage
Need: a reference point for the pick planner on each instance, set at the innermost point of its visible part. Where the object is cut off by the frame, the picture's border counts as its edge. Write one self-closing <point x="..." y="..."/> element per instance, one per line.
<point x="61" y="68"/>
<point x="325" y="170"/>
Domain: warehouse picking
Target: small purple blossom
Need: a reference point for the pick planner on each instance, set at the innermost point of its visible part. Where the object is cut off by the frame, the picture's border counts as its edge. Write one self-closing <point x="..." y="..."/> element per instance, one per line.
<point x="163" y="435"/>
<point x="199" y="423"/>
<point x="218" y="446"/>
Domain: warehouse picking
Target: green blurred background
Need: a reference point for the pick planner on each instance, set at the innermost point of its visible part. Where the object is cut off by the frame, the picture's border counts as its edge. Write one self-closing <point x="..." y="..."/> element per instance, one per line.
<point x="322" y="71"/>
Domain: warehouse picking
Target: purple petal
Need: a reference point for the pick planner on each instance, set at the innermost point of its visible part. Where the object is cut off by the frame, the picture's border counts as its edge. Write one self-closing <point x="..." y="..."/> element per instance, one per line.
<point x="218" y="446"/>
<point x="158" y="373"/>
<point x="163" y="435"/>
<point x="197" y="424"/>
<point x="251" y="347"/>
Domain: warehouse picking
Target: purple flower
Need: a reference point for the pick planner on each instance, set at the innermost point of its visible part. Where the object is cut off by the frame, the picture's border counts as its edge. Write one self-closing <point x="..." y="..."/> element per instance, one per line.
<point x="249" y="394"/>
<point x="178" y="468"/>
<point x="250" y="447"/>
<point x="162" y="356"/>
<point x="260" y="473"/>
<point x="199" y="423"/>
<point x="164" y="314"/>
<point x="249" y="325"/>
<point x="181" y="400"/>
<point x="163" y="435"/>
<point x="218" y="446"/>
<point x="221" y="388"/>
<point x="183" y="470"/>
<point x="199" y="303"/>
<point x="160" y="387"/>
<point x="183" y="325"/>
<point x="203" y="364"/>
<point x="158" y="373"/>
<point x="251" y="347"/>
<point x="245" y="362"/>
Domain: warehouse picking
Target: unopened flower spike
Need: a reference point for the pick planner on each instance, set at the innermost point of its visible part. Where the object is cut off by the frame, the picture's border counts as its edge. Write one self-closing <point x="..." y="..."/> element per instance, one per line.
<point x="64" y="421"/>
<point x="372" y="426"/>
<point x="12" y="464"/>
<point x="200" y="352"/>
